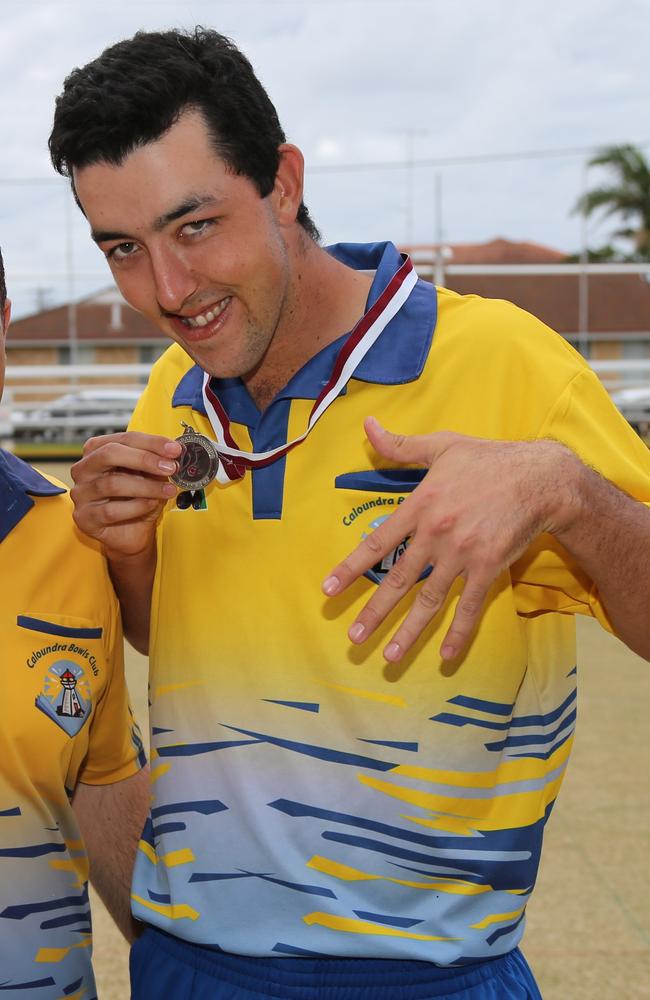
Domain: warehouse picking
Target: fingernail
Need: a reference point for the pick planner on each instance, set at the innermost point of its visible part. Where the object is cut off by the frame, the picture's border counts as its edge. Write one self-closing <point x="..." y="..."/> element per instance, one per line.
<point x="448" y="652"/>
<point x="356" y="631"/>
<point x="167" y="466"/>
<point x="392" y="651"/>
<point x="169" y="490"/>
<point x="331" y="585"/>
<point x="172" y="448"/>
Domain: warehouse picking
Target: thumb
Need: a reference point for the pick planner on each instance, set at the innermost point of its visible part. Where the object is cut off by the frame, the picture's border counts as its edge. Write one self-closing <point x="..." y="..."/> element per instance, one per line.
<point x="406" y="448"/>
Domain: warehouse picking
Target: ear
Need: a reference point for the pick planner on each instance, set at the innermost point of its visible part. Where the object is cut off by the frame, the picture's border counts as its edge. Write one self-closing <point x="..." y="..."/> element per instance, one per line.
<point x="6" y="316"/>
<point x="287" y="192"/>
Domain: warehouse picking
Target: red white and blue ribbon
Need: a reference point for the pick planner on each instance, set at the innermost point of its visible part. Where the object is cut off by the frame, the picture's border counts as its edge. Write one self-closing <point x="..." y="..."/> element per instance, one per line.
<point x="233" y="461"/>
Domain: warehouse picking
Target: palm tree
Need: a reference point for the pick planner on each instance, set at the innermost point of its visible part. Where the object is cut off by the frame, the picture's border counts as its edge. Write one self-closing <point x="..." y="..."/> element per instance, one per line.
<point x="628" y="196"/>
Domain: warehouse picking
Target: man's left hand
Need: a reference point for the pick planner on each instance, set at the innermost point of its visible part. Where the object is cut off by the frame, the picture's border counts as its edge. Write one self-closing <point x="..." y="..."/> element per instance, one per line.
<point x="477" y="509"/>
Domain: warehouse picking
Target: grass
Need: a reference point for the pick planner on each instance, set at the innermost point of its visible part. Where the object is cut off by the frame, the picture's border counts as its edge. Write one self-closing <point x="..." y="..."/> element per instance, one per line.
<point x="49" y="451"/>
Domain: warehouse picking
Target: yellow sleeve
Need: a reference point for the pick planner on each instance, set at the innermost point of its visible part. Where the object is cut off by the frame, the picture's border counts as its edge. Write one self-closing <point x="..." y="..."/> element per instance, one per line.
<point x="115" y="748"/>
<point x="584" y="418"/>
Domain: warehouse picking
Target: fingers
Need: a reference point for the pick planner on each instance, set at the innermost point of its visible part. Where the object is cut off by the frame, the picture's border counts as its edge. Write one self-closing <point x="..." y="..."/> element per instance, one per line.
<point x="466" y="617"/>
<point x="136" y="439"/>
<point x="428" y="601"/>
<point x="370" y="551"/>
<point x="121" y="487"/>
<point x="453" y="524"/>
<point x="145" y="454"/>
<point x="116" y="512"/>
<point x="117" y="484"/>
<point x="384" y="539"/>
<point x="397" y="582"/>
<point x="407" y="448"/>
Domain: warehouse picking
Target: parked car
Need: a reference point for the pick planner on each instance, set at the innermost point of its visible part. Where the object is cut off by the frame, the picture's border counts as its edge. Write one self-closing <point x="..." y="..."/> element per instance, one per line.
<point x="75" y="416"/>
<point x="634" y="404"/>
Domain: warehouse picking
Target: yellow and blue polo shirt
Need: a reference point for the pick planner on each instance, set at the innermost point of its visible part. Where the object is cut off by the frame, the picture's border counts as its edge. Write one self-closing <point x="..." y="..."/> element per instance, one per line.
<point x="65" y="718"/>
<point x="308" y="797"/>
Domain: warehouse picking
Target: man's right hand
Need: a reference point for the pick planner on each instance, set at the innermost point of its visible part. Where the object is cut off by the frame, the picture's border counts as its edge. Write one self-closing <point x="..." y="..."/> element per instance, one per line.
<point x="121" y="487"/>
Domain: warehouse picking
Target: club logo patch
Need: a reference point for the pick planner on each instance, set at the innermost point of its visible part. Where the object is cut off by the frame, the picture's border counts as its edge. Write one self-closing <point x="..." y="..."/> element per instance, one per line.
<point x="377" y="572"/>
<point x="65" y="697"/>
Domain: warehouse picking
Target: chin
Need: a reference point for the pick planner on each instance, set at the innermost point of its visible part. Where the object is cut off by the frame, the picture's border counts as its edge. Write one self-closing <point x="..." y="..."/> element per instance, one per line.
<point x="221" y="369"/>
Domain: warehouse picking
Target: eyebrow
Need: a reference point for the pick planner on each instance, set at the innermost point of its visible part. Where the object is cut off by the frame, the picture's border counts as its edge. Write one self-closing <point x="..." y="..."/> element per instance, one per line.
<point x="192" y="204"/>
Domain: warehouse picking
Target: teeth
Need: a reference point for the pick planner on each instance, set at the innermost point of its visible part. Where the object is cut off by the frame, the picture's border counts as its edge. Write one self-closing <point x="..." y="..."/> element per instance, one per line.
<point x="207" y="317"/>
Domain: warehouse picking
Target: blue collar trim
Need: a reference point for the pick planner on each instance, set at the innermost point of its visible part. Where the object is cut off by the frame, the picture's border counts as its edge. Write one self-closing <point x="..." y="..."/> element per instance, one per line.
<point x="398" y="356"/>
<point x="18" y="484"/>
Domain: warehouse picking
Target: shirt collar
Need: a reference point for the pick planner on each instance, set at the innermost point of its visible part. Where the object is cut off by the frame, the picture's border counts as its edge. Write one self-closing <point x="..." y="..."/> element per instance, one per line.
<point x="398" y="355"/>
<point x="18" y="484"/>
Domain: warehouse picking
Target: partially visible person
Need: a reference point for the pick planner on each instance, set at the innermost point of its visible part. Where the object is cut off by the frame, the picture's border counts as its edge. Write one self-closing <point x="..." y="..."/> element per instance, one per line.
<point x="73" y="783"/>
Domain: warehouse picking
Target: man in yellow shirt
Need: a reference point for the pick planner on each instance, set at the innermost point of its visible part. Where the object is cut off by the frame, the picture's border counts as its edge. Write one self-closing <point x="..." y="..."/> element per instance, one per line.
<point x="334" y="814"/>
<point x="72" y="777"/>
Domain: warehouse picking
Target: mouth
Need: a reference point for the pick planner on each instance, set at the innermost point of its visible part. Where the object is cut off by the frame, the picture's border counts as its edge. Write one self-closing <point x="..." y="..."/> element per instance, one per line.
<point x="204" y="324"/>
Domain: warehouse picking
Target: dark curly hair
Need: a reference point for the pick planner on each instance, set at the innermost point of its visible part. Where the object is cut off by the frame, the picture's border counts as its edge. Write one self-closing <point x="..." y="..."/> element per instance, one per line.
<point x="137" y="89"/>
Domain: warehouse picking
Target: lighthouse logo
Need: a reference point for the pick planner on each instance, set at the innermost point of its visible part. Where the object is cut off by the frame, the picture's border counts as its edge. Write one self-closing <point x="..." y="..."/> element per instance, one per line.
<point x="65" y="698"/>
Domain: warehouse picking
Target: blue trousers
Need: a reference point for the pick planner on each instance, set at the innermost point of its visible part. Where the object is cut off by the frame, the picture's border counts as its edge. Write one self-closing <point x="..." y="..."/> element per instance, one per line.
<point x="166" y="968"/>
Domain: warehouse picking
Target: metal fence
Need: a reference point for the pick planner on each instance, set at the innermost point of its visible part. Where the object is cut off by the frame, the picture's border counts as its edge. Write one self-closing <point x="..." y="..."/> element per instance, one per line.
<point x="66" y="404"/>
<point x="85" y="406"/>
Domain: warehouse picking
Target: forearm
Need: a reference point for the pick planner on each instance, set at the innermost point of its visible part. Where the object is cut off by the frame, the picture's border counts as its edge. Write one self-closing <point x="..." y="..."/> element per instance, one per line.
<point x="608" y="534"/>
<point x="111" y="819"/>
<point x="133" y="578"/>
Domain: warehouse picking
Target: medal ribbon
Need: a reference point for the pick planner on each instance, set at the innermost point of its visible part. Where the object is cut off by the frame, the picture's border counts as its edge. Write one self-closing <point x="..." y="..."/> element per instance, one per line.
<point x="234" y="462"/>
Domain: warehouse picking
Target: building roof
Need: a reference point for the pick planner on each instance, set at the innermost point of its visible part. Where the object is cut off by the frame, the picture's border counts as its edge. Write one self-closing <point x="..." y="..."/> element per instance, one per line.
<point x="496" y="251"/>
<point x="616" y="303"/>
<point x="104" y="317"/>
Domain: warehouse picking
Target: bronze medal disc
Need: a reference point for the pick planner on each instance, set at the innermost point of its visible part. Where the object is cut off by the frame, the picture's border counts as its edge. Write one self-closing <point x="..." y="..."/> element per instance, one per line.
<point x="197" y="463"/>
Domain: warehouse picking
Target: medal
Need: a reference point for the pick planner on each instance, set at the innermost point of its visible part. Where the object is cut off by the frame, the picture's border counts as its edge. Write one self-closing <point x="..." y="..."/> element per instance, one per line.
<point x="197" y="463"/>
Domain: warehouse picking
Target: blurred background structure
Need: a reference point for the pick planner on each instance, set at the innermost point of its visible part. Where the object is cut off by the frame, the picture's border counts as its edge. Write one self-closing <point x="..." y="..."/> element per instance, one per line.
<point x="76" y="365"/>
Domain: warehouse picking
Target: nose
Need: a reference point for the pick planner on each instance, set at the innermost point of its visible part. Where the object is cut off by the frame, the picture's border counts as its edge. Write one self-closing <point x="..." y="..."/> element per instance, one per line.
<point x="174" y="280"/>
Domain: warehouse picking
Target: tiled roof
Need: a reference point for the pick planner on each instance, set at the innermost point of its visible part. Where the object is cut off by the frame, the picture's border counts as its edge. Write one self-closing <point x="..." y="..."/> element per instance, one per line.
<point x="615" y="302"/>
<point x="497" y="251"/>
<point x="93" y="323"/>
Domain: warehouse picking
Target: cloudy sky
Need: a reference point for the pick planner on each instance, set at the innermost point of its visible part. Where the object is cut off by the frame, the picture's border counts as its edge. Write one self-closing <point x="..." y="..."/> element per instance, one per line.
<point x="356" y="82"/>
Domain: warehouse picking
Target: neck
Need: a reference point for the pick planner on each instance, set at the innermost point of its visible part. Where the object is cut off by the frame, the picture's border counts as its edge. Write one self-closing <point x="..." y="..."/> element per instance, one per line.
<point x="324" y="300"/>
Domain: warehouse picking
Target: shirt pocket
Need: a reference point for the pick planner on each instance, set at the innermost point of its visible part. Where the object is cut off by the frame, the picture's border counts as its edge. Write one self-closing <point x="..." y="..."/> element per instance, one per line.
<point x="368" y="497"/>
<point x="381" y="480"/>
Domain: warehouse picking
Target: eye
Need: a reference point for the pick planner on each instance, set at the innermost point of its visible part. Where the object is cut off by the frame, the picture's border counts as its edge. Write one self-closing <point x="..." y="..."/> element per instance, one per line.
<point x="121" y="251"/>
<point x="196" y="227"/>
